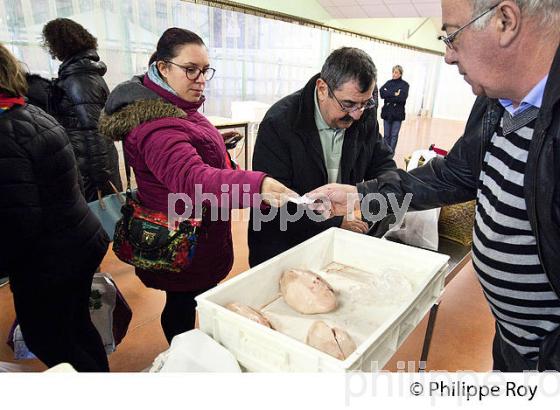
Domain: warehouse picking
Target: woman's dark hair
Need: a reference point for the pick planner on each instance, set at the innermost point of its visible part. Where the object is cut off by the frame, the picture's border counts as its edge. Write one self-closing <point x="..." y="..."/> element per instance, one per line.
<point x="171" y="40"/>
<point x="64" y="38"/>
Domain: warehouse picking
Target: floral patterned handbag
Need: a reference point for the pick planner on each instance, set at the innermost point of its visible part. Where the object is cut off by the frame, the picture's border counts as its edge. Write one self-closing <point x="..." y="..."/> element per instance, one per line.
<point x="143" y="238"/>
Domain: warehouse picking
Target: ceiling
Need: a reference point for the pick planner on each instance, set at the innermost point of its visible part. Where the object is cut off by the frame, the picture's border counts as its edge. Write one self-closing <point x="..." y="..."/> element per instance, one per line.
<point x="343" y="9"/>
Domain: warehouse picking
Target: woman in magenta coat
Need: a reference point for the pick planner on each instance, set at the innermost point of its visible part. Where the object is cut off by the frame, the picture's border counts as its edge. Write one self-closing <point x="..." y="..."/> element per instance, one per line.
<point x="173" y="148"/>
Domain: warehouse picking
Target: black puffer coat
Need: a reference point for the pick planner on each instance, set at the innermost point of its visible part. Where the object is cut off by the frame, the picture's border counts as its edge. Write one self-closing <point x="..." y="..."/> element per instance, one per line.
<point x="47" y="227"/>
<point x="78" y="96"/>
<point x="39" y="91"/>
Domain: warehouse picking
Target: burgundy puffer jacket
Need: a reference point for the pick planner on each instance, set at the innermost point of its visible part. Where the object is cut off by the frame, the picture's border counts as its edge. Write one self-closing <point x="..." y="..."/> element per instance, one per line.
<point x="172" y="147"/>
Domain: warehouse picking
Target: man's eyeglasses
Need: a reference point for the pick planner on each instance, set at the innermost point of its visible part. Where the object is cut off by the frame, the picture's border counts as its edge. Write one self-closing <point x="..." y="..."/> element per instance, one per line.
<point x="448" y="40"/>
<point x="193" y="72"/>
<point x="350" y="107"/>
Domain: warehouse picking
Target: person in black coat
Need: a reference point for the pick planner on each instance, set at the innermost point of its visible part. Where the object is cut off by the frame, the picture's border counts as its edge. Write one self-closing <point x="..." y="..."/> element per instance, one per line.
<point x="38" y="91"/>
<point x="395" y="93"/>
<point x="77" y="98"/>
<point x="325" y="132"/>
<point x="51" y="243"/>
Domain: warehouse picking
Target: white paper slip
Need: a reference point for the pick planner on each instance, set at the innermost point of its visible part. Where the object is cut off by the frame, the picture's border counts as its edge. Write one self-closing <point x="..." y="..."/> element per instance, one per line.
<point x="302" y="200"/>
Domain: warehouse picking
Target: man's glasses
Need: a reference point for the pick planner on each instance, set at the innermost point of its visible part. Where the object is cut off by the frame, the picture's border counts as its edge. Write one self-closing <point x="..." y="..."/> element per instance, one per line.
<point x="193" y="72"/>
<point x="350" y="107"/>
<point x="448" y="40"/>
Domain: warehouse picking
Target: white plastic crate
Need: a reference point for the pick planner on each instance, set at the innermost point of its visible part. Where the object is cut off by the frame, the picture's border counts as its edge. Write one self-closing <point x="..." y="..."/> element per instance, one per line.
<point x="378" y="327"/>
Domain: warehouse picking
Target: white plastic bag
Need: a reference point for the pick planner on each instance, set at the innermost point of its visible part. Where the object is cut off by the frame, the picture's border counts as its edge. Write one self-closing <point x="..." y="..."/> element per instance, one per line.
<point x="195" y="351"/>
<point x="21" y="352"/>
<point x="102" y="302"/>
<point x="419" y="228"/>
<point x="62" y="368"/>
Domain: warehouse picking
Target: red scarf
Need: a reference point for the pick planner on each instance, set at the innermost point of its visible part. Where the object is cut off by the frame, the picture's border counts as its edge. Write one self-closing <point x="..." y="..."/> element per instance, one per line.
<point x="8" y="102"/>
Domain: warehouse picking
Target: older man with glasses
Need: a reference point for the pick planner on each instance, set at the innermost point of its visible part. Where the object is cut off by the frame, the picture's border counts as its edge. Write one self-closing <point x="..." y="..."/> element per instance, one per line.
<point x="508" y="159"/>
<point x="325" y="132"/>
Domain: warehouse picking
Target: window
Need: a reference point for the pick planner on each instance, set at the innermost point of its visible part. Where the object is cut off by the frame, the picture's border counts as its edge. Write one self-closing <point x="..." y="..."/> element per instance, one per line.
<point x="41" y="12"/>
<point x="255" y="58"/>
<point x="64" y="8"/>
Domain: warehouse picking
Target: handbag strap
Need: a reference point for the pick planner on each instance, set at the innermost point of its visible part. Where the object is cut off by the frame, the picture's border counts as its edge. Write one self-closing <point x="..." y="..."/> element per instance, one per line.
<point x="119" y="194"/>
<point x="115" y="190"/>
<point x="128" y="172"/>
<point x="100" y="199"/>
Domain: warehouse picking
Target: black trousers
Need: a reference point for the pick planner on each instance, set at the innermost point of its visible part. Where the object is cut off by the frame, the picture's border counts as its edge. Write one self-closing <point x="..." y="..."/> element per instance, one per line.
<point x="179" y="312"/>
<point x="507" y="359"/>
<point x="53" y="314"/>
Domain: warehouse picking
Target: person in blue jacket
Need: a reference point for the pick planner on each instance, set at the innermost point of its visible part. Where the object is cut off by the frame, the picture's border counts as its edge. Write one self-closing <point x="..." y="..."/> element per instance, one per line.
<point x="395" y="93"/>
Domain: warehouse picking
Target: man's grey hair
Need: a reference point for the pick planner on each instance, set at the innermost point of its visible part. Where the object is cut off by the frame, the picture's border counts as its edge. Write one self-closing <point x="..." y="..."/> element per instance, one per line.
<point x="547" y="11"/>
<point x="347" y="64"/>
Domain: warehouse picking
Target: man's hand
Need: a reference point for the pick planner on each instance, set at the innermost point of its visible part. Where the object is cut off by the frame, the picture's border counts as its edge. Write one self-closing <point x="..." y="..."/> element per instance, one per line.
<point x="335" y="199"/>
<point x="354" y="225"/>
<point x="275" y="193"/>
<point x="398" y="93"/>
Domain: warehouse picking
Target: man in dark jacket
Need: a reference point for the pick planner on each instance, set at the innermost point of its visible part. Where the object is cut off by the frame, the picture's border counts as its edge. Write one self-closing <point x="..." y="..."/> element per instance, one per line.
<point x="77" y="98"/>
<point x="325" y="132"/>
<point x="508" y="159"/>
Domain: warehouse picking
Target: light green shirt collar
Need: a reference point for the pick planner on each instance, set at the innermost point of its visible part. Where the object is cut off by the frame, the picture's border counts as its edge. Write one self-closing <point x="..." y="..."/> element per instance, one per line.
<point x="332" y="140"/>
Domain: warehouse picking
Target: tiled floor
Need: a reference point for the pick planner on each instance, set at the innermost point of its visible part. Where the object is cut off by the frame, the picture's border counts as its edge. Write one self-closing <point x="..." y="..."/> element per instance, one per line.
<point x="463" y="332"/>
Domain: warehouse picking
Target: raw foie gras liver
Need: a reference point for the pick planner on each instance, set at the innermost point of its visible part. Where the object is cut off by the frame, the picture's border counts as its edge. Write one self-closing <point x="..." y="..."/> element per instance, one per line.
<point x="249" y="313"/>
<point x="333" y="341"/>
<point x="307" y="292"/>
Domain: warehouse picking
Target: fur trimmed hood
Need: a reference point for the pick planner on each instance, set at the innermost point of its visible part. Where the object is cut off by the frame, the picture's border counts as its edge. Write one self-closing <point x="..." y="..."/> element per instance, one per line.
<point x="131" y="104"/>
<point x="118" y="125"/>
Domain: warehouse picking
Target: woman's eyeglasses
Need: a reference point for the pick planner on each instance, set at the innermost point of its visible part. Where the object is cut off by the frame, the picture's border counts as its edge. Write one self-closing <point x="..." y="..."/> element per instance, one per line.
<point x="193" y="72"/>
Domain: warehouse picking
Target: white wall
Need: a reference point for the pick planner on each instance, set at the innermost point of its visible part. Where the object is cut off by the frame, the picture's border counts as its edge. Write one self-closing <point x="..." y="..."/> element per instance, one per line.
<point x="454" y="97"/>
